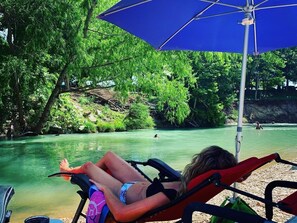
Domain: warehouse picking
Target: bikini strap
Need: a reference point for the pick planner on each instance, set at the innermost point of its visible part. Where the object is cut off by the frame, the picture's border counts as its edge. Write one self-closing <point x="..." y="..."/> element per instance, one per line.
<point x="157" y="187"/>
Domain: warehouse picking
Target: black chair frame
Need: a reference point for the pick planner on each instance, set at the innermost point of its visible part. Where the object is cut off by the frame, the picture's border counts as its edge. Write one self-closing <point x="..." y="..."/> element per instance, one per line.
<point x="241" y="216"/>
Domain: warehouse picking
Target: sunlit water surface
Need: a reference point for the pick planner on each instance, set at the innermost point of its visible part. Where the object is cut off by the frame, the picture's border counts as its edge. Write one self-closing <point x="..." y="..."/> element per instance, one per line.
<point x="26" y="163"/>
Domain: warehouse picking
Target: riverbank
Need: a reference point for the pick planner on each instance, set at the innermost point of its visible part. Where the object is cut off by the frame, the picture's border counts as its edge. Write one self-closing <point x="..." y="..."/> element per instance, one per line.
<point x="255" y="184"/>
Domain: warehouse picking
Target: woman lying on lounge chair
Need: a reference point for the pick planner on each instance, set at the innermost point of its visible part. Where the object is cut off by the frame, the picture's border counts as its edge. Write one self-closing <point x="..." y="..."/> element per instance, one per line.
<point x="129" y="195"/>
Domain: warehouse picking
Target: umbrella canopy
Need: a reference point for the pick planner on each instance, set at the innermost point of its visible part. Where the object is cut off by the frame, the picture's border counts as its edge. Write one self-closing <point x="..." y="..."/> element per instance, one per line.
<point x="239" y="26"/>
<point x="204" y="25"/>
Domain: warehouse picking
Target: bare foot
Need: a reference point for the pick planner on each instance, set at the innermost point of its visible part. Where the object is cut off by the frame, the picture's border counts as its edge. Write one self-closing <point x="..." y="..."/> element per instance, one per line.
<point x="64" y="167"/>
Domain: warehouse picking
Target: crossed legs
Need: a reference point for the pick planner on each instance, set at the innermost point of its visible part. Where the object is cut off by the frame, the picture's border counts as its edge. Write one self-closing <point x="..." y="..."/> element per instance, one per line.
<point x="119" y="171"/>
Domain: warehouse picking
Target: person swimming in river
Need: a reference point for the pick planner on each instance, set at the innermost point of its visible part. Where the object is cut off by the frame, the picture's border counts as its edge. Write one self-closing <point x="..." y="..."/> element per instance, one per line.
<point x="129" y="195"/>
<point x="258" y="126"/>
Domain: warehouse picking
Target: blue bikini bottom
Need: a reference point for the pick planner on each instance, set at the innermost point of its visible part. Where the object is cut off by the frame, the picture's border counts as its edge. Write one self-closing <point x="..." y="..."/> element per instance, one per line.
<point x="124" y="189"/>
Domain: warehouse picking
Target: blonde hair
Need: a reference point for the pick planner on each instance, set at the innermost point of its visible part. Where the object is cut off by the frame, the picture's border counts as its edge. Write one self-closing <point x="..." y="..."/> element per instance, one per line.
<point x="210" y="158"/>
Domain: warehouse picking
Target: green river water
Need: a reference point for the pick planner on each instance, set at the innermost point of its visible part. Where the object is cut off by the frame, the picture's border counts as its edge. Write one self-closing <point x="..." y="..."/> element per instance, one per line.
<point x="25" y="163"/>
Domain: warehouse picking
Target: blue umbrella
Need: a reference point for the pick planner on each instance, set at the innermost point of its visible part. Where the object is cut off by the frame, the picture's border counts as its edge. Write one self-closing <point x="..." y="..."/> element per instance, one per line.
<point x="239" y="26"/>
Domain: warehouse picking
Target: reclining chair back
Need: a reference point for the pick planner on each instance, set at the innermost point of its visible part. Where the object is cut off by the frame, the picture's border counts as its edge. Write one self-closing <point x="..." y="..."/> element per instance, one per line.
<point x="291" y="201"/>
<point x="202" y="188"/>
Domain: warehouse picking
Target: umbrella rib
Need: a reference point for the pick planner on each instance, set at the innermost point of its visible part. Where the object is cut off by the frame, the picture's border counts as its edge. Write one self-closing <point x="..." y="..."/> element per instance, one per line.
<point x="186" y="24"/>
<point x="124" y="8"/>
<point x="256" y="52"/>
<point x="276" y="6"/>
<point x="223" y="4"/>
<point x="175" y="33"/>
<point x="221" y="14"/>
<point x="256" y="6"/>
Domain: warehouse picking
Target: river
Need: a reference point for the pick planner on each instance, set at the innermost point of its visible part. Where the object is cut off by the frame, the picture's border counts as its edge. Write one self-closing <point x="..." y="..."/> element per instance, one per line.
<point x="25" y="163"/>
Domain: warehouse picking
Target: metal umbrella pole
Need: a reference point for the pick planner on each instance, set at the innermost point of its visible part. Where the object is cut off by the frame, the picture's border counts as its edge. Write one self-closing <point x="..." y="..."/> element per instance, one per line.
<point x="247" y="21"/>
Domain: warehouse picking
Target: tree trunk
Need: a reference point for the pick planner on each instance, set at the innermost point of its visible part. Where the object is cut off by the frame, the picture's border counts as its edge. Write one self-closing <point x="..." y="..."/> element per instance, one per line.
<point x="19" y="103"/>
<point x="88" y="18"/>
<point x="52" y="99"/>
<point x="15" y="85"/>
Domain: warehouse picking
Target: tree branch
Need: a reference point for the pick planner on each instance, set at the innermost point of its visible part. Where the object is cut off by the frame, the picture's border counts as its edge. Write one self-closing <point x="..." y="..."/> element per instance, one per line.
<point x="88" y="18"/>
<point x="110" y="63"/>
<point x="103" y="34"/>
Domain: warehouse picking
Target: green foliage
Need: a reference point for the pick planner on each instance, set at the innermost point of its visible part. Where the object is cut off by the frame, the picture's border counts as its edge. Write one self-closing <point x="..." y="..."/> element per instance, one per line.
<point x="169" y="86"/>
<point x="110" y="121"/>
<point x="267" y="70"/>
<point x="85" y="100"/>
<point x="289" y="57"/>
<point x="88" y="127"/>
<point x="64" y="115"/>
<point x="74" y="116"/>
<point x="104" y="126"/>
<point x="119" y="125"/>
<point x="54" y="41"/>
<point x="233" y="115"/>
<point x="139" y="117"/>
<point x="217" y="78"/>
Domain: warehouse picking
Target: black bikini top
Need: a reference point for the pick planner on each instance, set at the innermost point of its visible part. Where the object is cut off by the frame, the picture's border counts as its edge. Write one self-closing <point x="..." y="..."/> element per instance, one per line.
<point x="157" y="187"/>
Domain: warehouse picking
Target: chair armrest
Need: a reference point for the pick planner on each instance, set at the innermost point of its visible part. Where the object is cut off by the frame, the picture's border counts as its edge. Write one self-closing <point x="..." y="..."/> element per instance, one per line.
<point x="6" y="192"/>
<point x="166" y="173"/>
<point x="82" y="180"/>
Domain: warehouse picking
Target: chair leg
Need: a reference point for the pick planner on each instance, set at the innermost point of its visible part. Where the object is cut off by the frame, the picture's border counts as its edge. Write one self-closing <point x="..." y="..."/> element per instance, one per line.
<point x="7" y="216"/>
<point x="80" y="207"/>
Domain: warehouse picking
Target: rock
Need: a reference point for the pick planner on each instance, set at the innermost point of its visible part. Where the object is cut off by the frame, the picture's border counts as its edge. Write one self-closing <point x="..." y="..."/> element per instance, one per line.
<point x="92" y="118"/>
<point x="267" y="111"/>
<point x="86" y="113"/>
<point x="55" y="130"/>
<point x="29" y="133"/>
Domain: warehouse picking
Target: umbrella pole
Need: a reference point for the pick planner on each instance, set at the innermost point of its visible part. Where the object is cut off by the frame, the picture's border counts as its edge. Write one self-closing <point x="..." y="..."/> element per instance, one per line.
<point x="242" y="91"/>
<point x="241" y="97"/>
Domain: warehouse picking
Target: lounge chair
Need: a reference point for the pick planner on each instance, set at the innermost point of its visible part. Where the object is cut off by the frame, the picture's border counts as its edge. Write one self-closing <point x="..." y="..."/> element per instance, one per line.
<point x="165" y="174"/>
<point x="288" y="204"/>
<point x="6" y="192"/>
<point x="200" y="189"/>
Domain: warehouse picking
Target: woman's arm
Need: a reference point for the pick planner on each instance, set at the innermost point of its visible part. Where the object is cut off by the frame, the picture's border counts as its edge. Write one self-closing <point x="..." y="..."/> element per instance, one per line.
<point x="130" y="212"/>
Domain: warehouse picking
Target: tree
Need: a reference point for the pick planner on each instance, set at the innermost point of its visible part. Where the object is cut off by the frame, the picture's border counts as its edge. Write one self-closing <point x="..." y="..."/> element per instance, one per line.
<point x="138" y="117"/>
<point x="43" y="37"/>
<point x="290" y="59"/>
<point x="266" y="69"/>
<point x="217" y="80"/>
<point x="56" y="41"/>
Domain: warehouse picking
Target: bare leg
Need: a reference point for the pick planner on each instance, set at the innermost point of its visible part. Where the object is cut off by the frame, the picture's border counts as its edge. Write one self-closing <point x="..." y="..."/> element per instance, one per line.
<point x="95" y="173"/>
<point x="119" y="168"/>
<point x="64" y="167"/>
<point x="100" y="176"/>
